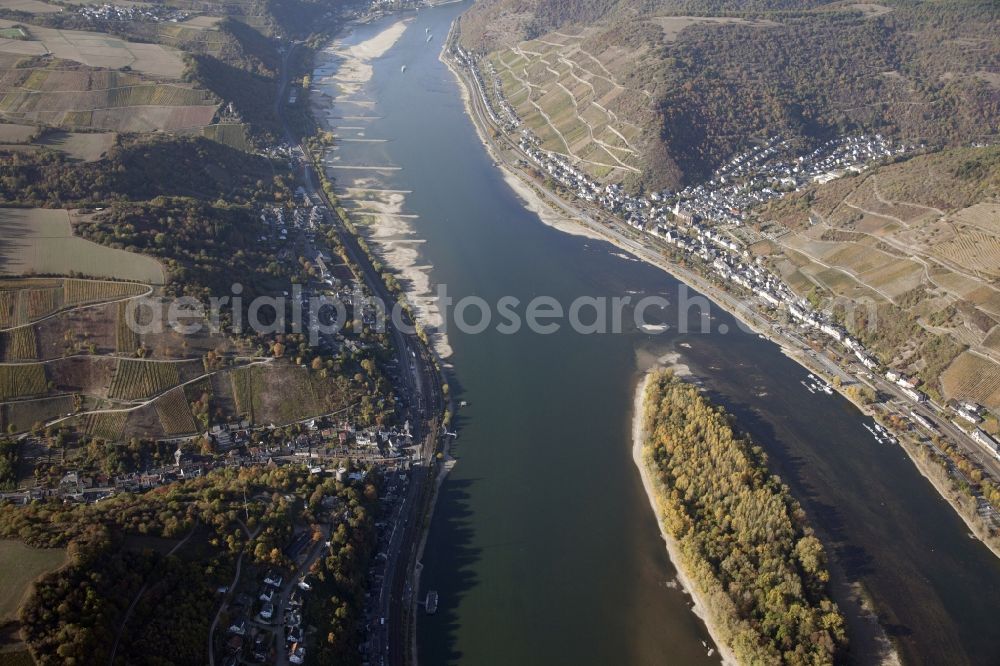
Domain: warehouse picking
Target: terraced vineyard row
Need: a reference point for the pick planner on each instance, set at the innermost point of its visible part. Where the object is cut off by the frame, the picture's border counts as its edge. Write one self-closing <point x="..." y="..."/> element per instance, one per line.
<point x="972" y="377"/>
<point x="50" y="80"/>
<point x="126" y="339"/>
<point x="156" y="95"/>
<point x="24" y="414"/>
<point x="25" y="301"/>
<point x="243" y="390"/>
<point x="135" y="379"/>
<point x="106" y="425"/>
<point x="78" y="292"/>
<point x="40" y="302"/>
<point x="22" y="381"/>
<point x="21" y="306"/>
<point x="22" y="102"/>
<point x="19" y="344"/>
<point x="8" y="301"/>
<point x="174" y="413"/>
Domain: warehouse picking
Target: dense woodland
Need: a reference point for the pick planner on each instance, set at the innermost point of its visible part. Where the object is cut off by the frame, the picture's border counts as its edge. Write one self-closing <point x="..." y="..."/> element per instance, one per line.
<point x="73" y="616"/>
<point x="743" y="540"/>
<point x="136" y="168"/>
<point x="337" y="600"/>
<point x="9" y="459"/>
<point x="206" y="247"/>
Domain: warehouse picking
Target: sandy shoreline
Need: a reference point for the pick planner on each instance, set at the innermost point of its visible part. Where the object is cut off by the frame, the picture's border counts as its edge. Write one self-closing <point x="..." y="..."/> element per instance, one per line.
<point x="341" y="77"/>
<point x="726" y="301"/>
<point x="638" y="441"/>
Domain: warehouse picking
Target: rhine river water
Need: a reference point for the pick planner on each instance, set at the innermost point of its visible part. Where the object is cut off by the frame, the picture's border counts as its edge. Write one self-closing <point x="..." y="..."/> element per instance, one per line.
<point x="543" y="548"/>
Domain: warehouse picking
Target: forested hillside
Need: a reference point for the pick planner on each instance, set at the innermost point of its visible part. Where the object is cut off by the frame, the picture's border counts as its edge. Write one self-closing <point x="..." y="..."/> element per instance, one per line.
<point x="918" y="72"/>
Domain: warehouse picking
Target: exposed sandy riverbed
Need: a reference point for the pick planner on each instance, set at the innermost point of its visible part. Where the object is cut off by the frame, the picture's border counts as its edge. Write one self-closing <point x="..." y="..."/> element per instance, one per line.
<point x="341" y="75"/>
<point x="638" y="441"/>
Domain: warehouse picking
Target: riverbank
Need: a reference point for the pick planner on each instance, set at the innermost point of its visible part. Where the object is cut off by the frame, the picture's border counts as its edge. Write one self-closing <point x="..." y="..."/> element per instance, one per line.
<point x="564" y="216"/>
<point x="342" y="75"/>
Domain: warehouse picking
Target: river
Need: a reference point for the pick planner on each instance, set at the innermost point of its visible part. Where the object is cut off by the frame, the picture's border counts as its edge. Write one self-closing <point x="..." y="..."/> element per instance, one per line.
<point x="543" y="547"/>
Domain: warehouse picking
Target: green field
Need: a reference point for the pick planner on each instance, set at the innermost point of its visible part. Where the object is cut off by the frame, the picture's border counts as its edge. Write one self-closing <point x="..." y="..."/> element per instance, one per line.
<point x="21" y="565"/>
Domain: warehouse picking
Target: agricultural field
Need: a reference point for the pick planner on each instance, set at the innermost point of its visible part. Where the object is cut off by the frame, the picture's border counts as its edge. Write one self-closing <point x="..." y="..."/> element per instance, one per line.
<point x="24" y="414"/>
<point x="973" y="377"/>
<point x="992" y="341"/>
<point x="30" y="6"/>
<point x="575" y="101"/>
<point x="144" y="118"/>
<point x="63" y="94"/>
<point x="283" y="393"/>
<point x="88" y="330"/>
<point x="167" y="343"/>
<point x="242" y="381"/>
<point x="920" y="237"/>
<point x="97" y="50"/>
<point x="22" y="380"/>
<point x="83" y="146"/>
<point x="233" y="135"/>
<point x="223" y="398"/>
<point x="89" y="375"/>
<point x="21" y="565"/>
<point x="175" y="413"/>
<point x="79" y="292"/>
<point x="42" y="241"/>
<point x="19" y="344"/>
<point x="10" y="133"/>
<point x="135" y="379"/>
<point x="197" y="33"/>
<point x="24" y="301"/>
<point x="673" y="25"/>
<point x="105" y="425"/>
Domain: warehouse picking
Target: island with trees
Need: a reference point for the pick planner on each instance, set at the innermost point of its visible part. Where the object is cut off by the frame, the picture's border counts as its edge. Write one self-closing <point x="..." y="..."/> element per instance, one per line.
<point x="736" y="534"/>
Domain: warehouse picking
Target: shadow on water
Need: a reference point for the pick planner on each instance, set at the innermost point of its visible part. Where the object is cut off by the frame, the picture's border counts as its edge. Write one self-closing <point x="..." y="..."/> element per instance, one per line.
<point x="791" y="468"/>
<point x="543" y="548"/>
<point x="848" y="561"/>
<point x="453" y="568"/>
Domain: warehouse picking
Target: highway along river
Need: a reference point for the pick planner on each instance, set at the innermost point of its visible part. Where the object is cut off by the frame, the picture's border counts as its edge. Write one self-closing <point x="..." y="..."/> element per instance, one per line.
<point x="543" y="548"/>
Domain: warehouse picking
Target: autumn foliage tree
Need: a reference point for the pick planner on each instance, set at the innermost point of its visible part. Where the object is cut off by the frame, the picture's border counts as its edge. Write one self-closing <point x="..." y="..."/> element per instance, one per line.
<point x="741" y="537"/>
